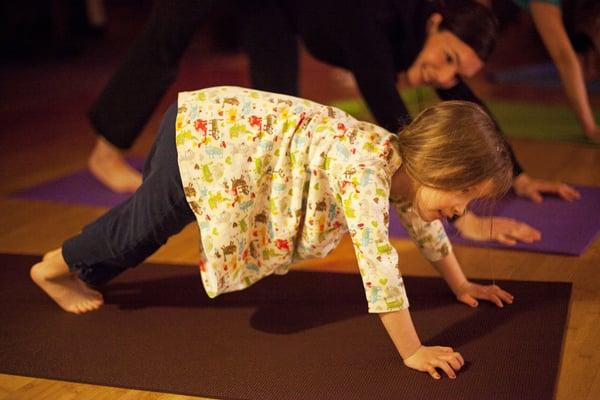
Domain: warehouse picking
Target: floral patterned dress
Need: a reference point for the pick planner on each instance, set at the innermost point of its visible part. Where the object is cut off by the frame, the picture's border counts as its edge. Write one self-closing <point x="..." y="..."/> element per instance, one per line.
<point x="274" y="178"/>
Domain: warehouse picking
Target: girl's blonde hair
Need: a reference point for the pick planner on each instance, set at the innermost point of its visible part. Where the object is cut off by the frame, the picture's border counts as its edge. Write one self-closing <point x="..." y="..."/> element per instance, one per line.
<point x="455" y="145"/>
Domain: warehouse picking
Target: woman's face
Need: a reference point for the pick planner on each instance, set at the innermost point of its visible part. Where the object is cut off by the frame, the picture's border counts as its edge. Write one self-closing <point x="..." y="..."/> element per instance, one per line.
<point x="442" y="59"/>
<point x="432" y="204"/>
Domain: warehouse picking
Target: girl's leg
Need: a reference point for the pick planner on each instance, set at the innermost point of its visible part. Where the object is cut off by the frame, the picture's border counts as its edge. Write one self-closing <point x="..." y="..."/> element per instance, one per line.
<point x="123" y="237"/>
<point x="65" y="288"/>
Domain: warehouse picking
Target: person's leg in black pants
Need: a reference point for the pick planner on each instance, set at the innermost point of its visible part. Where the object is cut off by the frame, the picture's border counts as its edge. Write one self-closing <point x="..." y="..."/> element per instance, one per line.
<point x="123" y="237"/>
<point x="134" y="91"/>
<point x="270" y="40"/>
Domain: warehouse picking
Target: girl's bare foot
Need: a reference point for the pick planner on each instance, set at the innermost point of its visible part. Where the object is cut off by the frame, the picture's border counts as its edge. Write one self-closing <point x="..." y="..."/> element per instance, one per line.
<point x="65" y="288"/>
<point x="108" y="165"/>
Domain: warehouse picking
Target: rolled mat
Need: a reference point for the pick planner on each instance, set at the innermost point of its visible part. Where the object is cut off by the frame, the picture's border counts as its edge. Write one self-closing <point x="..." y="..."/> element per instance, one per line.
<point x="567" y="227"/>
<point x="305" y="335"/>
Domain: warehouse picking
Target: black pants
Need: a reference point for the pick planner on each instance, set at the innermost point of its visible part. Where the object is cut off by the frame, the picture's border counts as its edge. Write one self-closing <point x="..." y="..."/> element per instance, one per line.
<point x="132" y="231"/>
<point x="151" y="66"/>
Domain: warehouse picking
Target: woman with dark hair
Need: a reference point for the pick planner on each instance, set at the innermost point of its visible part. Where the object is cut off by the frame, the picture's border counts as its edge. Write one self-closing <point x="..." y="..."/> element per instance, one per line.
<point x="381" y="42"/>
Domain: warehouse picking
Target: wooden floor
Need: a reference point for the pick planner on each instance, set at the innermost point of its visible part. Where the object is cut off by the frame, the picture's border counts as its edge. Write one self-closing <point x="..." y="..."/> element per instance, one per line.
<point x="44" y="134"/>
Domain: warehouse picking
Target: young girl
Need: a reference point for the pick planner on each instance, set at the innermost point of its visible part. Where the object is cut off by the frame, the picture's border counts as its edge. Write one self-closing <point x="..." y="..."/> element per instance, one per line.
<point x="271" y="178"/>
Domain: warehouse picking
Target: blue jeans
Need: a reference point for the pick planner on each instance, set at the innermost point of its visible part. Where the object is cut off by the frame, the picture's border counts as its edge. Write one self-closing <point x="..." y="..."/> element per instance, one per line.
<point x="130" y="232"/>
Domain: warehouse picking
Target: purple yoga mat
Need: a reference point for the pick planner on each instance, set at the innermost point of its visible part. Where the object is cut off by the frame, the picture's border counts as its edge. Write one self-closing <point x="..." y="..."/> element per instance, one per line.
<point x="567" y="227"/>
<point x="78" y="188"/>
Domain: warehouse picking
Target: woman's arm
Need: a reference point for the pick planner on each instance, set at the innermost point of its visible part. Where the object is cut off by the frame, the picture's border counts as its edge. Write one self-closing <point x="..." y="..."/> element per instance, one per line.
<point x="548" y="21"/>
<point x="501" y="229"/>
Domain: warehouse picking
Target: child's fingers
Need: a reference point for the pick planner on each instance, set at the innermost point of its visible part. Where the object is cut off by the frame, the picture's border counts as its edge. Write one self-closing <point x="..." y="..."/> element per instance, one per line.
<point x="503" y="294"/>
<point x="496" y="300"/>
<point x="495" y="288"/>
<point x="505" y="298"/>
<point x="468" y="299"/>
<point x="434" y="374"/>
<point x="444" y="366"/>
<point x="455" y="360"/>
<point x="493" y="297"/>
<point x="493" y="294"/>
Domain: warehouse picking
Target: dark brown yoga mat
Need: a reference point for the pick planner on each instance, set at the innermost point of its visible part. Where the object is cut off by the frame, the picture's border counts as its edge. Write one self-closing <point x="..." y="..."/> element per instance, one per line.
<point x="305" y="335"/>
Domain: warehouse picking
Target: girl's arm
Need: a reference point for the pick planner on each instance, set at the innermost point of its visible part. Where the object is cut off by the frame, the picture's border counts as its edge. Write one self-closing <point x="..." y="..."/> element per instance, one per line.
<point x="466" y="291"/>
<point x="548" y="21"/>
<point x="399" y="326"/>
<point x="365" y="203"/>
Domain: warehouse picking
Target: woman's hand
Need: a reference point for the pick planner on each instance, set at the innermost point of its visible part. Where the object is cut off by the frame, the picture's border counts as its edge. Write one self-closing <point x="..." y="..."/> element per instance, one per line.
<point x="428" y="358"/>
<point x="526" y="186"/>
<point x="504" y="230"/>
<point x="469" y="292"/>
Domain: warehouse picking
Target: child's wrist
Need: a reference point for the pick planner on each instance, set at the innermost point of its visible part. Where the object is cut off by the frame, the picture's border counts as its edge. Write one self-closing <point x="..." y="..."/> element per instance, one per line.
<point x="409" y="353"/>
<point x="458" y="288"/>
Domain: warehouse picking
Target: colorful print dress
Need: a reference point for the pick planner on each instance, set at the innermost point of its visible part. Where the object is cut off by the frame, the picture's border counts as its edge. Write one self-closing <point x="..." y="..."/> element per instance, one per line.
<point x="274" y="178"/>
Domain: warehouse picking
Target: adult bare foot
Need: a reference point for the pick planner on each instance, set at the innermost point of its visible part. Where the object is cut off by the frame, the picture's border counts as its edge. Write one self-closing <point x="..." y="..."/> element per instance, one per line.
<point x="593" y="135"/>
<point x="108" y="165"/>
<point x="52" y="275"/>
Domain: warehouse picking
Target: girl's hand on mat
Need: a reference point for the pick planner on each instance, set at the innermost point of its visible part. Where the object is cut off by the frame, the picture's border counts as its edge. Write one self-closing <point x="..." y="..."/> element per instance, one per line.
<point x="526" y="186"/>
<point x="428" y="358"/>
<point x="504" y="230"/>
<point x="469" y="292"/>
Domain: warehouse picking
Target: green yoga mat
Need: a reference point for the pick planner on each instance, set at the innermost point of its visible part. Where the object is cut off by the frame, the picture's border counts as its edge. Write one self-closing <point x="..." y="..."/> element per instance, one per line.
<point x="518" y="119"/>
